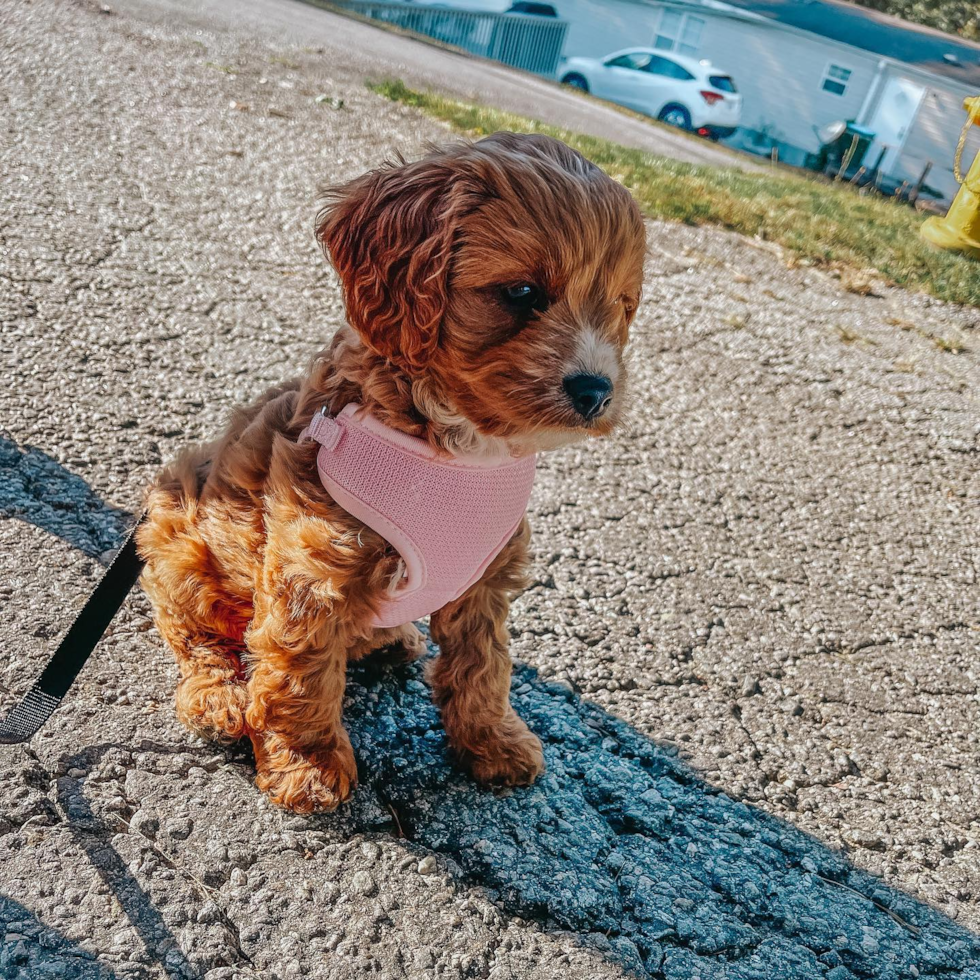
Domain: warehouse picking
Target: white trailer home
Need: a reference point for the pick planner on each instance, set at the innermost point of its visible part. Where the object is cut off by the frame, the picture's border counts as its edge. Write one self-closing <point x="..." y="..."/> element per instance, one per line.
<point x="802" y="64"/>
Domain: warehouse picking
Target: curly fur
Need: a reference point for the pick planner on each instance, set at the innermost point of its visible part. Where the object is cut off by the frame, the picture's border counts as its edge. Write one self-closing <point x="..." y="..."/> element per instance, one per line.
<point x="262" y="585"/>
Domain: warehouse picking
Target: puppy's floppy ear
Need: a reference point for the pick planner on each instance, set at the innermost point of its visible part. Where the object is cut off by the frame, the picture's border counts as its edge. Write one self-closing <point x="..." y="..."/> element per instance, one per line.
<point x="389" y="235"/>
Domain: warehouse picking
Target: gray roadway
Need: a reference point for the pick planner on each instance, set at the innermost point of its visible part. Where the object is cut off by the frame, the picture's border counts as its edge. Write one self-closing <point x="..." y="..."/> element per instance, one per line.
<point x="355" y="48"/>
<point x="754" y="613"/>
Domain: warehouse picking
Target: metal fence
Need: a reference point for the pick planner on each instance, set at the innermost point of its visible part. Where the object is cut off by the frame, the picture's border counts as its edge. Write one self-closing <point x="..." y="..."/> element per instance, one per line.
<point x="522" y="40"/>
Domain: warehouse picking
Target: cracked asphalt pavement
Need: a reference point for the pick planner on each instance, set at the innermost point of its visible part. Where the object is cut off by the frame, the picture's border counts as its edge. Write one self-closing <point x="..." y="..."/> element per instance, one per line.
<point x="749" y="646"/>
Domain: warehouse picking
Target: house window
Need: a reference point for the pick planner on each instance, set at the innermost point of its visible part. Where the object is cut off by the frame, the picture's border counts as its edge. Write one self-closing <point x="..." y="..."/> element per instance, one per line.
<point x="680" y="32"/>
<point x="835" y="79"/>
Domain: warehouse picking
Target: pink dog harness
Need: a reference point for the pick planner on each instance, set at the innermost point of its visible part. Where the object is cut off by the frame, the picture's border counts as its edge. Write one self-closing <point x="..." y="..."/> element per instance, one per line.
<point x="448" y="517"/>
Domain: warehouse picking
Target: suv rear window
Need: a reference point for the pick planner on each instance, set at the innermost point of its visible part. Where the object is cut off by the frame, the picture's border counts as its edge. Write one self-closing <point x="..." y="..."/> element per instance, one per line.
<point x="723" y="83"/>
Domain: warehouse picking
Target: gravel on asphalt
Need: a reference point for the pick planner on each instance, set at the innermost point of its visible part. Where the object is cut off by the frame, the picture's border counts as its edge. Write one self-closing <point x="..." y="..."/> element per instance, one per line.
<point x="749" y="645"/>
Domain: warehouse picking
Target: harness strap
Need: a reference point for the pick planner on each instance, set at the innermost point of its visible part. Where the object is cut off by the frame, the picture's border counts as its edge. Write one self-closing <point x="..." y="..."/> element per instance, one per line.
<point x="324" y="429"/>
<point x="29" y="715"/>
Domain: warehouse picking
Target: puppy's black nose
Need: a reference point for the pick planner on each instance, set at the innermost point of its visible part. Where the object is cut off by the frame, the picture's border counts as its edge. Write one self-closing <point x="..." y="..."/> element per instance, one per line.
<point x="590" y="393"/>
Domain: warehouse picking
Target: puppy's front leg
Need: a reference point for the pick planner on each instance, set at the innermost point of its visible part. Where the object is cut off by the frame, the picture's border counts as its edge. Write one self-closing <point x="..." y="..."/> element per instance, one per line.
<point x="298" y="659"/>
<point x="471" y="676"/>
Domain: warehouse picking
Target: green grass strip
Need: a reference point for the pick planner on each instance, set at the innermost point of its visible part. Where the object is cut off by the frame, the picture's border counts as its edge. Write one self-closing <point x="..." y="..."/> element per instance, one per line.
<point x="828" y="223"/>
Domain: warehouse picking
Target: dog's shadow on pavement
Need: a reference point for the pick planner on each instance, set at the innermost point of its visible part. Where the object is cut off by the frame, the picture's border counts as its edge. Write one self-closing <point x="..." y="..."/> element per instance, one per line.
<point x="623" y="844"/>
<point x="32" y="949"/>
<point x="619" y="842"/>
<point x="37" y="489"/>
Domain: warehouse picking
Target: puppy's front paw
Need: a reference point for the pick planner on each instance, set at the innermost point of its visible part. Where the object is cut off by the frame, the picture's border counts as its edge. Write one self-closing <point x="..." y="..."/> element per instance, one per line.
<point x="317" y="780"/>
<point x="509" y="755"/>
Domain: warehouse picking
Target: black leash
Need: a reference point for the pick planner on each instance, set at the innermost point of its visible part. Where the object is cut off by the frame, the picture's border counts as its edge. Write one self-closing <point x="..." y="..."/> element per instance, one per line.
<point x="26" y="718"/>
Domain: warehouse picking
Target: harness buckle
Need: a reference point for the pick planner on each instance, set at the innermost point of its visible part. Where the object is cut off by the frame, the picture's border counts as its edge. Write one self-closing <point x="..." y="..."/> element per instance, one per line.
<point x="325" y="429"/>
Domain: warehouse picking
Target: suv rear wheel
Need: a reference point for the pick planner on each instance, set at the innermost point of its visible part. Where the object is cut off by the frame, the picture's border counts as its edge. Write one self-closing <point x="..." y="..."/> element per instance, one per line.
<point x="675" y="115"/>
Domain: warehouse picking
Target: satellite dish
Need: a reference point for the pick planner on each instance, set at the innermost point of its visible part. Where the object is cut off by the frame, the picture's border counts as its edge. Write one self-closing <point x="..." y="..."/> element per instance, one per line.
<point x="831" y="132"/>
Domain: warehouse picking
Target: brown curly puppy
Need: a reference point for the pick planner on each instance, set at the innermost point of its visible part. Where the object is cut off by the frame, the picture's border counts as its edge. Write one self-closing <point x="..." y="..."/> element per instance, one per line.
<point x="489" y="288"/>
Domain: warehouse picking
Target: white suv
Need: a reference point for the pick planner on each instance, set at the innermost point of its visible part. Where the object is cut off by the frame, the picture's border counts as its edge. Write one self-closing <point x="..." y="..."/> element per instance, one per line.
<point x="677" y="90"/>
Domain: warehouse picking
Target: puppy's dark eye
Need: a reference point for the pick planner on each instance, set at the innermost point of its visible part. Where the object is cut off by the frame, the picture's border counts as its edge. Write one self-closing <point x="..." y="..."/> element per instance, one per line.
<point x="524" y="297"/>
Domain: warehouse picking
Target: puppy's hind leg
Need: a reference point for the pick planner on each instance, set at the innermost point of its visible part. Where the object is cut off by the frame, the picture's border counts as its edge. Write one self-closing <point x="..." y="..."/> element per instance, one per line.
<point x="190" y="609"/>
<point x="211" y="694"/>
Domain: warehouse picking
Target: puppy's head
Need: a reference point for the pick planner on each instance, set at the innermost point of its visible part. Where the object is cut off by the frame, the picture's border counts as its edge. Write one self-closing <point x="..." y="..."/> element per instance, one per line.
<point x="504" y="274"/>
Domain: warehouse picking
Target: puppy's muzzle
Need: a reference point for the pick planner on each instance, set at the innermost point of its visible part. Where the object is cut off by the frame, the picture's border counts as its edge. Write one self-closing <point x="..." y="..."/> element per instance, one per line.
<point x="590" y="394"/>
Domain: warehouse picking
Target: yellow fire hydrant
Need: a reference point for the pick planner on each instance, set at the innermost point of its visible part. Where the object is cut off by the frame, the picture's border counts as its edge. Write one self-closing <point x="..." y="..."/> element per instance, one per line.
<point x="959" y="231"/>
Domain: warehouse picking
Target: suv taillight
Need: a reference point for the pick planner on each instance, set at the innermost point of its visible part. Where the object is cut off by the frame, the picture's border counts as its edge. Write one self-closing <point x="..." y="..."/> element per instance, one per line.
<point x="711" y="97"/>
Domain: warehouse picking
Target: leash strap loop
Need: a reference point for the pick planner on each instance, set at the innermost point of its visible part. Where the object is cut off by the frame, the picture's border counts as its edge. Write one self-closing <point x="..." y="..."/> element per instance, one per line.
<point x="27" y="717"/>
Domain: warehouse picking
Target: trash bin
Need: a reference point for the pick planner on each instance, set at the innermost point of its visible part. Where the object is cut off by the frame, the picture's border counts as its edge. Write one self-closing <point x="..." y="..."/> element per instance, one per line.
<point x="837" y="141"/>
